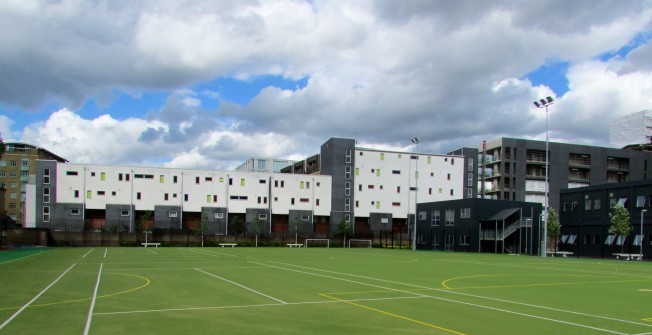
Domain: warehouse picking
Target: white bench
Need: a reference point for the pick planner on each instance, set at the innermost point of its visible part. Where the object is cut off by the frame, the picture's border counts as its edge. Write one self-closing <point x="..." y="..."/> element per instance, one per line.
<point x="292" y="245"/>
<point x="150" y="244"/>
<point x="232" y="245"/>
<point x="629" y="257"/>
<point x="560" y="253"/>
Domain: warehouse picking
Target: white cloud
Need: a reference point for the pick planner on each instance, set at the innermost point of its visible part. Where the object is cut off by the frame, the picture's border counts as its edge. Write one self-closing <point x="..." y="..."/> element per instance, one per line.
<point x="380" y="71"/>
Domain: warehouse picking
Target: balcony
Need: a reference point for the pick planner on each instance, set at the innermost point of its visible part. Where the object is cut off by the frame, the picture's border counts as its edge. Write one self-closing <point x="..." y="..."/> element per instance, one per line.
<point x="579" y="160"/>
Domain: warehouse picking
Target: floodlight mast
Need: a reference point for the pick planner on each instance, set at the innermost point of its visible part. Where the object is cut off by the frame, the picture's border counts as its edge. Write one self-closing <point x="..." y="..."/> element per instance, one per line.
<point x="544" y="103"/>
<point x="416" y="141"/>
<point x="643" y="211"/>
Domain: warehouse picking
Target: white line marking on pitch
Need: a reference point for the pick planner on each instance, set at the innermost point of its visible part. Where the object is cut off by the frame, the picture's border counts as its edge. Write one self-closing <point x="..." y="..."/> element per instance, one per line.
<point x="89" y="251"/>
<point x="256" y="305"/>
<point x="36" y="297"/>
<point x="244" y="287"/>
<point x="644" y="290"/>
<point x="210" y="253"/>
<point x="105" y="251"/>
<point x="474" y="296"/>
<point x="154" y="252"/>
<point x="453" y="301"/>
<point x="90" y="310"/>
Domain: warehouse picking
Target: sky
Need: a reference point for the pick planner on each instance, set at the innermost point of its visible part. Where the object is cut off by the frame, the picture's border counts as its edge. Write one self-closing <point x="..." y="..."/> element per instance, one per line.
<point x="208" y="84"/>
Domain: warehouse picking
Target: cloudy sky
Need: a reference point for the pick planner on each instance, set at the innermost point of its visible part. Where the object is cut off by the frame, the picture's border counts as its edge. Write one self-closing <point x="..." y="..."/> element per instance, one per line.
<point x="207" y="84"/>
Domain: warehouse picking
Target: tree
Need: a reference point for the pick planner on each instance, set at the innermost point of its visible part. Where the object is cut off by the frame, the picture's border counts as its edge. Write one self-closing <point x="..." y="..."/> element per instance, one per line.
<point x="343" y="228"/>
<point x="201" y="228"/>
<point x="620" y="225"/>
<point x="256" y="228"/>
<point x="295" y="225"/>
<point x="146" y="223"/>
<point x="553" y="225"/>
<point x="239" y="226"/>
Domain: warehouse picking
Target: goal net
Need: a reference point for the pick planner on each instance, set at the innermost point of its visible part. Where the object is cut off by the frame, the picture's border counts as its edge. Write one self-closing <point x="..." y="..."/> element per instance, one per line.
<point x="317" y="242"/>
<point x="359" y="243"/>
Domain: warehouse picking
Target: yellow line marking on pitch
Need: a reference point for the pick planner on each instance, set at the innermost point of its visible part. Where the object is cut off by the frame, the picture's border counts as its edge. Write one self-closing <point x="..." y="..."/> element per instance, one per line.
<point x="647" y="319"/>
<point x="147" y="282"/>
<point x="395" y="315"/>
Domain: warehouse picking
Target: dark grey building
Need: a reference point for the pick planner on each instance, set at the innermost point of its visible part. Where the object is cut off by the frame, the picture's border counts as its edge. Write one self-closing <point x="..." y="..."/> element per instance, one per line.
<point x="479" y="225"/>
<point x="514" y="169"/>
<point x="584" y="219"/>
<point x="338" y="161"/>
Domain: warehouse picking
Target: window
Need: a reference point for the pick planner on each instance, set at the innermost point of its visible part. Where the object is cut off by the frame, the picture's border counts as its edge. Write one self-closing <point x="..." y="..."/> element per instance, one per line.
<point x="219" y="215"/>
<point x="435" y="240"/>
<point x="640" y="201"/>
<point x="208" y="198"/>
<point x="610" y="239"/>
<point x="357" y="171"/>
<point x="465" y="213"/>
<point x="262" y="216"/>
<point x="46" y="176"/>
<point x="587" y="204"/>
<point x="138" y="196"/>
<point x="422" y="215"/>
<point x="72" y="173"/>
<point x="208" y="179"/>
<point x="398" y="189"/>
<point x="215" y="198"/>
<point x="470" y="164"/>
<point x="434" y="218"/>
<point x="92" y="174"/>
<point x="470" y="179"/>
<point x="185" y="197"/>
<point x="46" y="213"/>
<point x="596" y="204"/>
<point x="175" y="179"/>
<point x="197" y="180"/>
<point x="173" y="214"/>
<point x="166" y="197"/>
<point x="464" y="239"/>
<point x="316" y="202"/>
<point x="377" y="172"/>
<point x="347" y="189"/>
<point x="396" y="204"/>
<point x="305" y="217"/>
<point x="76" y="193"/>
<point x="382" y="156"/>
<point x="620" y="240"/>
<point x="238" y="197"/>
<point x="348" y="156"/>
<point x="377" y="204"/>
<point x="89" y="194"/>
<point x="304" y="200"/>
<point x="46" y="195"/>
<point x="119" y="176"/>
<point x="371" y="187"/>
<point x="124" y="212"/>
<point x="242" y="182"/>
<point x="74" y="211"/>
<point x="302" y="185"/>
<point x="347" y="172"/>
<point x="101" y="193"/>
<point x="102" y="176"/>
<point x="262" y="181"/>
<point x="450" y="217"/>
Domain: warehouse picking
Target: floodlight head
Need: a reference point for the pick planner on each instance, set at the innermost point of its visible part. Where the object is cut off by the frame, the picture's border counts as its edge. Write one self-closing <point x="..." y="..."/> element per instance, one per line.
<point x="415" y="140"/>
<point x="550" y="99"/>
<point x="543" y="101"/>
<point x="536" y="103"/>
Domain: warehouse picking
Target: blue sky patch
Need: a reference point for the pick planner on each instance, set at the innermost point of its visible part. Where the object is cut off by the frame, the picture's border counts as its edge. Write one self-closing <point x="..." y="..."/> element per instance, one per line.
<point x="551" y="74"/>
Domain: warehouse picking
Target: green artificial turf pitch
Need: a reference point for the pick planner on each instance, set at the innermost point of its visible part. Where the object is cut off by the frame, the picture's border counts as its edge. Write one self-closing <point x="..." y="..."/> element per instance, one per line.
<point x="317" y="291"/>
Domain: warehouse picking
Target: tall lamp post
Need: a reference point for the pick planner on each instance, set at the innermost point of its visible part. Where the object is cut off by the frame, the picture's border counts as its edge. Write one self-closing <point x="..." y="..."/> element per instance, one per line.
<point x="544" y="103"/>
<point x="416" y="183"/>
<point x="643" y="211"/>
